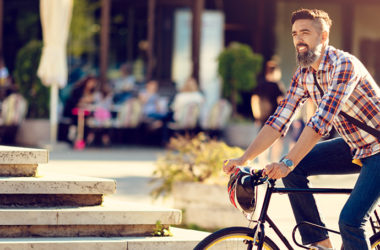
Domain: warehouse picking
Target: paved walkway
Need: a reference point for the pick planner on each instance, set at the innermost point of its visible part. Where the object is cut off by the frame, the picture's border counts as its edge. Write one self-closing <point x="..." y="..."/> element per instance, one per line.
<point x="132" y="168"/>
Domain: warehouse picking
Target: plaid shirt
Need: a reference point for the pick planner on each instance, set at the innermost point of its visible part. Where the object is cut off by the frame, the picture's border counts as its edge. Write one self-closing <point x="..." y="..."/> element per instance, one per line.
<point x="347" y="86"/>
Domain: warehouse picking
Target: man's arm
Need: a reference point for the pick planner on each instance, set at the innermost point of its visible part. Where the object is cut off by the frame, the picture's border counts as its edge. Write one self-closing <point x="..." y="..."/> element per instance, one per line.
<point x="305" y="143"/>
<point x="265" y="138"/>
<point x="276" y="125"/>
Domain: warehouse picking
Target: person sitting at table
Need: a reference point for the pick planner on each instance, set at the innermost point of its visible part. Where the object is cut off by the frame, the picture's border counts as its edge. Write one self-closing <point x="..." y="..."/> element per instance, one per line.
<point x="188" y="94"/>
<point x="83" y="96"/>
<point x="153" y="109"/>
<point x="124" y="86"/>
<point x="101" y="114"/>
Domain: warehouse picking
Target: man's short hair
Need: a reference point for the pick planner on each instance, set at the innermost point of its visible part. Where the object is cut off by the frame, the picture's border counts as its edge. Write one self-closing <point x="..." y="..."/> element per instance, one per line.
<point x="316" y="15"/>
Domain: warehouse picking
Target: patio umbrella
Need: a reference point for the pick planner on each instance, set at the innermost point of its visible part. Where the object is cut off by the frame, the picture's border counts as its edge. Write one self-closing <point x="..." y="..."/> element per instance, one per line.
<point x="52" y="70"/>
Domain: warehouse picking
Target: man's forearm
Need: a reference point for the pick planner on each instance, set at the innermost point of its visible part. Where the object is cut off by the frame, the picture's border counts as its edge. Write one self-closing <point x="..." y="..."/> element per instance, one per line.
<point x="265" y="138"/>
<point x="305" y="143"/>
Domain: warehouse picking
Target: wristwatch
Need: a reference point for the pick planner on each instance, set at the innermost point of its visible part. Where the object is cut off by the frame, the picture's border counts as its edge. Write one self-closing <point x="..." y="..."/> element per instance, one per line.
<point x="289" y="163"/>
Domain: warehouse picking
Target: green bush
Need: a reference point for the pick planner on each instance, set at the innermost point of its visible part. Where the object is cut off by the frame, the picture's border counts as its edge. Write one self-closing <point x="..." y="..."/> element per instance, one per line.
<point x="238" y="67"/>
<point x="197" y="159"/>
<point x="27" y="81"/>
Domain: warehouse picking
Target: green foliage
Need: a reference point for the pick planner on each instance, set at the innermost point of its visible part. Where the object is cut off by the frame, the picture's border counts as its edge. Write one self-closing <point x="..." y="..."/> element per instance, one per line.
<point x="28" y="83"/>
<point x="197" y="159"/>
<point x="238" y="67"/>
<point x="83" y="28"/>
<point x="28" y="25"/>
<point x="160" y="230"/>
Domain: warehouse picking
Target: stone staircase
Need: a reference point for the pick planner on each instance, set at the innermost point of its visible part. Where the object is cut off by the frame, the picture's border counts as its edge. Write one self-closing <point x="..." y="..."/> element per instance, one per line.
<point x="40" y="211"/>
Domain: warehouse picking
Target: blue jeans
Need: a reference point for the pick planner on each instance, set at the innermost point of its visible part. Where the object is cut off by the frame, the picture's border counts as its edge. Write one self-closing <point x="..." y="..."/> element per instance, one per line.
<point x="333" y="157"/>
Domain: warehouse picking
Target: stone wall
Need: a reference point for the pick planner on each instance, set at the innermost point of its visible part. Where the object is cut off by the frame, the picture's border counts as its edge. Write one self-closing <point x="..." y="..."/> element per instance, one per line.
<point x="206" y="205"/>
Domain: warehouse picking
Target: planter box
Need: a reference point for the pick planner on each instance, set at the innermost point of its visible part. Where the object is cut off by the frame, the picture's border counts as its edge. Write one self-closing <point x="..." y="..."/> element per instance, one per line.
<point x="33" y="132"/>
<point x="206" y="205"/>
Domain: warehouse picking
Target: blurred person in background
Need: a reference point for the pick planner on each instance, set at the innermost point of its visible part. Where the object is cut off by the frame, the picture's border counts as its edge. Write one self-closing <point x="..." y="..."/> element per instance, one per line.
<point x="154" y="110"/>
<point x="264" y="101"/>
<point x="124" y="86"/>
<point x="189" y="93"/>
<point x="4" y="73"/>
<point x="78" y="106"/>
<point x="102" y="116"/>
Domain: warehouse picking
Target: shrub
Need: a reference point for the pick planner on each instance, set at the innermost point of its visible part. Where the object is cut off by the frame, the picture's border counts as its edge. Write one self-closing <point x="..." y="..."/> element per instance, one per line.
<point x="28" y="83"/>
<point x="238" y="67"/>
<point x="197" y="159"/>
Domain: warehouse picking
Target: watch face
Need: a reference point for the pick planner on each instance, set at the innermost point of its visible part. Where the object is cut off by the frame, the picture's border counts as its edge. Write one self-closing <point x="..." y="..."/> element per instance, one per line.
<point x="288" y="162"/>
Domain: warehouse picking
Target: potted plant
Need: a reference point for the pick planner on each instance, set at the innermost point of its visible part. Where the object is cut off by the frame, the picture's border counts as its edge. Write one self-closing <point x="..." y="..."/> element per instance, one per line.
<point x="238" y="67"/>
<point x="35" y="129"/>
<point x="27" y="81"/>
<point x="190" y="172"/>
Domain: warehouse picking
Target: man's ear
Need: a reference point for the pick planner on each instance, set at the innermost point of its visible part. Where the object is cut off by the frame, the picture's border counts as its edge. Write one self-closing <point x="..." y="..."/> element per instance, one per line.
<point x="325" y="36"/>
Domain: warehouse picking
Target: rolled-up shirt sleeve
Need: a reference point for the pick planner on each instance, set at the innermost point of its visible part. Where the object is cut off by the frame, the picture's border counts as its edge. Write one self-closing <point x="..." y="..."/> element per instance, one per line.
<point x="343" y="81"/>
<point x="295" y="97"/>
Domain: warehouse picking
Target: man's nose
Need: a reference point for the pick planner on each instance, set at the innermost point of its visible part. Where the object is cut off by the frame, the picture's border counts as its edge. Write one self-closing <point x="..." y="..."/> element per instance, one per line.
<point x="297" y="39"/>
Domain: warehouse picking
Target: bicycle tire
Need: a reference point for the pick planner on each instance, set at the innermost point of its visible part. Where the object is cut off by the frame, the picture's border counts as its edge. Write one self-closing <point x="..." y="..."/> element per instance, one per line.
<point x="375" y="241"/>
<point x="233" y="238"/>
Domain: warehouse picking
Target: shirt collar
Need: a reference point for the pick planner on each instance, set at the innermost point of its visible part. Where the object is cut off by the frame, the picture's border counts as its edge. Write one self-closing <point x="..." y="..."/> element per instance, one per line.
<point x="323" y="66"/>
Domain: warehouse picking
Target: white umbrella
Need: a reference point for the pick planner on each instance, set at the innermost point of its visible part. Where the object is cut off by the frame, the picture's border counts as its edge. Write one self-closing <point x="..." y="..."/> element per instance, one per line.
<point x="55" y="20"/>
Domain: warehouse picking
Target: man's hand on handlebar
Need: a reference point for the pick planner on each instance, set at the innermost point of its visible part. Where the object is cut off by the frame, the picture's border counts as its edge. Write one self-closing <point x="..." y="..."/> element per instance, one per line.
<point x="230" y="165"/>
<point x="273" y="170"/>
<point x="276" y="170"/>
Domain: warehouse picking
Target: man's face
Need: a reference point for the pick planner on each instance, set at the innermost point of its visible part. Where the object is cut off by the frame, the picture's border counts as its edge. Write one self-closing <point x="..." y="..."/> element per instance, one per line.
<point x="307" y="40"/>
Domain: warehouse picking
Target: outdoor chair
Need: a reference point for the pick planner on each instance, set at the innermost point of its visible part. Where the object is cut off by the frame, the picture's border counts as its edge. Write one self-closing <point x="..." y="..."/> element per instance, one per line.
<point x="187" y="118"/>
<point x="13" y="112"/>
<point x="217" y="118"/>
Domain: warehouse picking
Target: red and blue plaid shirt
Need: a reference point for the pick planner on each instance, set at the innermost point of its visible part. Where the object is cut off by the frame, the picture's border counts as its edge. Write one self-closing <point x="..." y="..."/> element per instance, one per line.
<point x="347" y="86"/>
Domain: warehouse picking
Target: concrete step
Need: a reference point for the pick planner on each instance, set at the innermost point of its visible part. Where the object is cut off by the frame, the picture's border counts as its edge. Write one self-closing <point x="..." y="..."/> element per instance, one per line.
<point x="112" y="218"/>
<point x="20" y="155"/>
<point x="54" y="190"/>
<point x="182" y="239"/>
<point x="18" y="161"/>
<point x="56" y="184"/>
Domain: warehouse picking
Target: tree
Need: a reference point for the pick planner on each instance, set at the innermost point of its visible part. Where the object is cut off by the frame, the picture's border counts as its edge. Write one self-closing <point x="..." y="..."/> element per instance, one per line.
<point x="83" y="28"/>
<point x="238" y="67"/>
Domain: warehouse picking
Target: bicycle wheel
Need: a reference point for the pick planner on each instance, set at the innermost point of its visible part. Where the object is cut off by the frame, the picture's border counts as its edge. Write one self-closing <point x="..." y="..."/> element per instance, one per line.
<point x="375" y="241"/>
<point x="233" y="238"/>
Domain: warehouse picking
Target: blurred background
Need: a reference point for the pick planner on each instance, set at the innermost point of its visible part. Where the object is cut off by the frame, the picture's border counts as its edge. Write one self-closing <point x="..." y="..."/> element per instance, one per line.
<point x="168" y="41"/>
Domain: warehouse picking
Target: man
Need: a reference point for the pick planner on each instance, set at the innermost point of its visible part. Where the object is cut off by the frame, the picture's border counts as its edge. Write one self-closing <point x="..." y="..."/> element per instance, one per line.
<point x="335" y="81"/>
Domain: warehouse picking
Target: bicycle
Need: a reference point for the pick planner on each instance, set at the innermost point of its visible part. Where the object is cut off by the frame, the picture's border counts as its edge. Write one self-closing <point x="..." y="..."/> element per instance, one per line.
<point x="251" y="238"/>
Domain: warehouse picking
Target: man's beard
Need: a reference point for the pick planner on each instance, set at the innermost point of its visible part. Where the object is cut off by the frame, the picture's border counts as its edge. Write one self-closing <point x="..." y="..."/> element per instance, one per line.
<point x="306" y="59"/>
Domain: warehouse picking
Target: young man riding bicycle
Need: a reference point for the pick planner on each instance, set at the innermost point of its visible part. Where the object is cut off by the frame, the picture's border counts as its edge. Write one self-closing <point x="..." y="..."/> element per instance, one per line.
<point x="339" y="85"/>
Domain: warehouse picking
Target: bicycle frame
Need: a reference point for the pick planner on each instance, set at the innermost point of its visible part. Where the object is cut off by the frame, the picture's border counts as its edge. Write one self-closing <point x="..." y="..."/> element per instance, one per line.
<point x="271" y="189"/>
<point x="255" y="236"/>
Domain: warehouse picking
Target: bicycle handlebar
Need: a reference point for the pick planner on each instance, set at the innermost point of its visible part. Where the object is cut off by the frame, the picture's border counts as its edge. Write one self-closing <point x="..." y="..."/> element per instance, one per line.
<point x="260" y="179"/>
